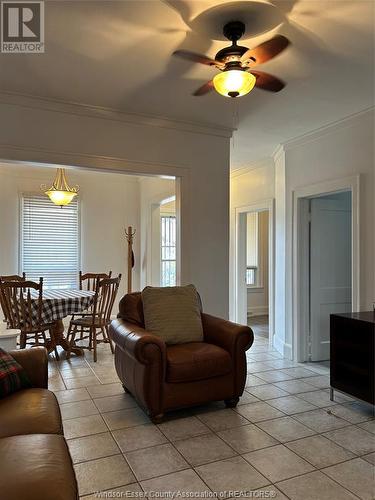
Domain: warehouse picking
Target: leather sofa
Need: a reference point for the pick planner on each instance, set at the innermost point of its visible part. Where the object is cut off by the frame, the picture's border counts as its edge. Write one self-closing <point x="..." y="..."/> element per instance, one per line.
<point x="35" y="463"/>
<point x="167" y="377"/>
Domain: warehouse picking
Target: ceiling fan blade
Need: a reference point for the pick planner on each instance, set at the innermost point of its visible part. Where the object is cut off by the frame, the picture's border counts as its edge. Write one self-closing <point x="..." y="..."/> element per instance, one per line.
<point x="268" y="82"/>
<point x="197" y="58"/>
<point x="265" y="51"/>
<point x="204" y="89"/>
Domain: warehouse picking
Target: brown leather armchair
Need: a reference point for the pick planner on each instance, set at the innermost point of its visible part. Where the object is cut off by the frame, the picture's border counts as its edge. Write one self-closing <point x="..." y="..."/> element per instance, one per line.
<point x="167" y="377"/>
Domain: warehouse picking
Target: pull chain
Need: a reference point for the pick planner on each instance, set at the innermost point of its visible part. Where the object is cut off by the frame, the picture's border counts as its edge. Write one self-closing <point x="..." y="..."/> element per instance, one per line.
<point x="235" y="119"/>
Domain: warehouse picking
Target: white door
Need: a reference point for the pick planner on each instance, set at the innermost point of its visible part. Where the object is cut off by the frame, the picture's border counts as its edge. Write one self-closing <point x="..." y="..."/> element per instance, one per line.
<point x="330" y="268"/>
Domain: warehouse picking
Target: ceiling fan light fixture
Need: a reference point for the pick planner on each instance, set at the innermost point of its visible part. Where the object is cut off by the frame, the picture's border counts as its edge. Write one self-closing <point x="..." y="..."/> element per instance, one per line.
<point x="234" y="83"/>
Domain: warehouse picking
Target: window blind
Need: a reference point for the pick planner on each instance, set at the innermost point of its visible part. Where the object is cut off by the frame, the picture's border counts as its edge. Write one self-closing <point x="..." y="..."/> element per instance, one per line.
<point x="50" y="241"/>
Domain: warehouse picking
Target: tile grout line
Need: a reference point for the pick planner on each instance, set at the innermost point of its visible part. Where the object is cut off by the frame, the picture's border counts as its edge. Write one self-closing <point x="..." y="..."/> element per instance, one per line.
<point x="191" y="466"/>
<point x="317" y="470"/>
<point x="249" y="422"/>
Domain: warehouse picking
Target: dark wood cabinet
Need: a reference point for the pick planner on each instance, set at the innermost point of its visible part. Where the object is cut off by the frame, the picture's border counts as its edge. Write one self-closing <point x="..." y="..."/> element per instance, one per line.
<point x="352" y="354"/>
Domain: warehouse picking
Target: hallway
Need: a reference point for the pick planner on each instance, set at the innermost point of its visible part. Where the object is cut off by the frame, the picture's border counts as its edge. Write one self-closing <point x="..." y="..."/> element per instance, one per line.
<point x="259" y="325"/>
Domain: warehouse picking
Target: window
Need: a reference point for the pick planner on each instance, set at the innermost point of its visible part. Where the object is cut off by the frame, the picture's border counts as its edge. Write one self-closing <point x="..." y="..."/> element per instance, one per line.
<point x="50" y="241"/>
<point x="168" y="250"/>
<point x="252" y="249"/>
<point x="251" y="276"/>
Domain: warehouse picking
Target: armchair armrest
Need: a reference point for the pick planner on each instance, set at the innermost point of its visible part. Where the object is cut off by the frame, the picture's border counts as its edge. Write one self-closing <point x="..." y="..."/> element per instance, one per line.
<point x="35" y="363"/>
<point x="140" y="344"/>
<point x="230" y="336"/>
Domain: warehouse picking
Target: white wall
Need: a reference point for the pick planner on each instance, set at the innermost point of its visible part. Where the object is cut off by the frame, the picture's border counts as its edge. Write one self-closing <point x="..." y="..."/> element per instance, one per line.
<point x="337" y="151"/>
<point x="251" y="186"/>
<point x="52" y="132"/>
<point x="108" y="203"/>
<point x="341" y="150"/>
<point x="247" y="187"/>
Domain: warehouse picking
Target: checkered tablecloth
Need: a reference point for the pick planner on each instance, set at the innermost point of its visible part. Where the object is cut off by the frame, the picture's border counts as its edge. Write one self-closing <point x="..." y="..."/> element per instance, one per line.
<point x="57" y="304"/>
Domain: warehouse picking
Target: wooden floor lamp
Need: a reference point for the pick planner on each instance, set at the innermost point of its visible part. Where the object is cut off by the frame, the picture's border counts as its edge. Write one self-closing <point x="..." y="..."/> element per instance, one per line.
<point x="129" y="235"/>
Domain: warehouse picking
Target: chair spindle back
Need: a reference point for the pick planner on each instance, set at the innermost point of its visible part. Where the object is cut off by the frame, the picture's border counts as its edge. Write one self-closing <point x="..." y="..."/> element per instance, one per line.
<point x="10" y="277"/>
<point x="22" y="308"/>
<point x="105" y="295"/>
<point x="88" y="281"/>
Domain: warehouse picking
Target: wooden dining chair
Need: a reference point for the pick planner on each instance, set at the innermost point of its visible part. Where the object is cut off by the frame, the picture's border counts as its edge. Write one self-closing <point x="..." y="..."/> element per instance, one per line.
<point x="91" y="326"/>
<point x="88" y="281"/>
<point x="10" y="277"/>
<point x="23" y="306"/>
<point x="14" y="277"/>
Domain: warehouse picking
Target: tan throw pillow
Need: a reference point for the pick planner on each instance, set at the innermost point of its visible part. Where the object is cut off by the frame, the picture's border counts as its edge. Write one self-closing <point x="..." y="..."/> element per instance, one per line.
<point x="173" y="313"/>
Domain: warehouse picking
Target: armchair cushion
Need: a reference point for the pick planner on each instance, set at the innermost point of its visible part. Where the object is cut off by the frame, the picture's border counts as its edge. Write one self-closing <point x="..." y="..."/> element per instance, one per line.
<point x="196" y="361"/>
<point x="173" y="313"/>
<point x="30" y="411"/>
<point x="36" y="467"/>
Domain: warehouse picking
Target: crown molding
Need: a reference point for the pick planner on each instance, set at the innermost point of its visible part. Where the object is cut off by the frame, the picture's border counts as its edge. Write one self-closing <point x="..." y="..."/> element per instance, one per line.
<point x="103" y="113"/>
<point x="315" y="134"/>
<point x="264" y="162"/>
<point x="278" y="152"/>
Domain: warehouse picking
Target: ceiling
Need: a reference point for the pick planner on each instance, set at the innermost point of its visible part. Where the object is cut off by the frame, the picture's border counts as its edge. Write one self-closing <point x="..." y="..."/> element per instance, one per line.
<point x="117" y="54"/>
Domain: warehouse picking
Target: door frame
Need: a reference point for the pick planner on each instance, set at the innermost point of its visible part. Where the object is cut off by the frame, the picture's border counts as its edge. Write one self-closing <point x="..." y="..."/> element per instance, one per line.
<point x="260" y="206"/>
<point x="151" y="243"/>
<point x="300" y="277"/>
<point x="89" y="162"/>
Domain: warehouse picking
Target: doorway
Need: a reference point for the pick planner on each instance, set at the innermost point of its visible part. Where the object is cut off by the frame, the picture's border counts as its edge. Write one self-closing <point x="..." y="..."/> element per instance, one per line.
<point x="161" y="237"/>
<point x="254" y="268"/>
<point x="168" y="242"/>
<point x="326" y="268"/>
<point x="257" y="272"/>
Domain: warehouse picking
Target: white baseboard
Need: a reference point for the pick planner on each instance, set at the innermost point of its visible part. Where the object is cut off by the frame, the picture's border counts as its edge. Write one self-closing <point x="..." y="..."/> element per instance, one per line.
<point x="282" y="347"/>
<point x="288" y="352"/>
<point x="278" y="344"/>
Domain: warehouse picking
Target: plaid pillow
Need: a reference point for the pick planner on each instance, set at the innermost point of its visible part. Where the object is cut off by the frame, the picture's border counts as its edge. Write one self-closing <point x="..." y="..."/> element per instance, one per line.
<point x="12" y="376"/>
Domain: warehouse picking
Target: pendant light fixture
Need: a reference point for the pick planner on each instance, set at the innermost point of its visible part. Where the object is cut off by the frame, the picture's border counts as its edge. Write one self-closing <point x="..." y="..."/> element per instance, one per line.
<point x="60" y="193"/>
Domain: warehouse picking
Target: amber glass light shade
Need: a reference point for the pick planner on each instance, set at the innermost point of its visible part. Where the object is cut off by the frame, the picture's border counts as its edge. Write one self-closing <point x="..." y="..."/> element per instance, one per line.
<point x="60" y="193"/>
<point x="234" y="83"/>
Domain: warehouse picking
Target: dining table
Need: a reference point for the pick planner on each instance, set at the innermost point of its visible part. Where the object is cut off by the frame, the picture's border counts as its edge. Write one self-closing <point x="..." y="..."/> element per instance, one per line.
<point x="57" y="304"/>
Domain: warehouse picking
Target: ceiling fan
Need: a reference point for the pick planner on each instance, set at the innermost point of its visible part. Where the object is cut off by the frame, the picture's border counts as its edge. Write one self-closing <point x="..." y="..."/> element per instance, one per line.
<point x="236" y="63"/>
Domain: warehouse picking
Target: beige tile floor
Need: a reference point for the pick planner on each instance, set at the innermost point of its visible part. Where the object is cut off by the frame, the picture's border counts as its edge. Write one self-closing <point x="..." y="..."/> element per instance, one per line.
<point x="285" y="437"/>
